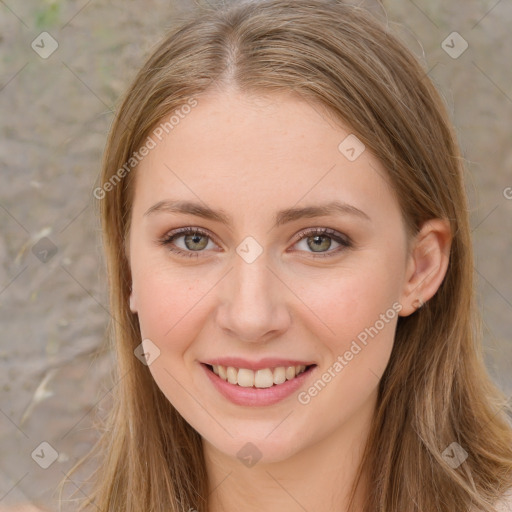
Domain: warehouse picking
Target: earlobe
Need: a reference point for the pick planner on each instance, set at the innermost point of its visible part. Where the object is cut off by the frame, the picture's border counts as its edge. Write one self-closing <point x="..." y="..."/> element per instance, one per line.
<point x="427" y="265"/>
<point x="133" y="307"/>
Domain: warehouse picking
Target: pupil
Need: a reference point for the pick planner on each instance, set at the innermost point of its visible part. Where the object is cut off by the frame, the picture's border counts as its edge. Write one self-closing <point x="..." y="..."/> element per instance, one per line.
<point x="318" y="242"/>
<point x="195" y="239"/>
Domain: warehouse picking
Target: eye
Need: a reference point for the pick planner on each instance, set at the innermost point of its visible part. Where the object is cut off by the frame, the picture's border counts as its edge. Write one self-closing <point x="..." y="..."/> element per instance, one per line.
<point x="319" y="241"/>
<point x="195" y="240"/>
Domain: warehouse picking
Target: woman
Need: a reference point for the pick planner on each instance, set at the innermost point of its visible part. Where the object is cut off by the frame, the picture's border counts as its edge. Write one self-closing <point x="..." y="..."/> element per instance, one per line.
<point x="291" y="277"/>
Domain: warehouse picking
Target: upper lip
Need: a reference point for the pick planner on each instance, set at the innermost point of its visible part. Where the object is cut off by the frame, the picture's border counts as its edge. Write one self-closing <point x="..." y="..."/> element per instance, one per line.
<point x="267" y="362"/>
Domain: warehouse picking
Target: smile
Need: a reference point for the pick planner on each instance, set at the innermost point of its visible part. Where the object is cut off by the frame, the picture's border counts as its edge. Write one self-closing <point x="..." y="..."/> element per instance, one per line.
<point x="262" y="387"/>
<point x="263" y="378"/>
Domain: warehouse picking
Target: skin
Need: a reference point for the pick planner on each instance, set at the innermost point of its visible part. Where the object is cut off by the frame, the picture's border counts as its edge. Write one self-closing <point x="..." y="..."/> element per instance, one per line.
<point x="251" y="156"/>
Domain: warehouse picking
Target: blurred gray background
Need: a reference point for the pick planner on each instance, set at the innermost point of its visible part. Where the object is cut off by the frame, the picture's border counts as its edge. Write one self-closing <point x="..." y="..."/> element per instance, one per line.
<point x="56" y="109"/>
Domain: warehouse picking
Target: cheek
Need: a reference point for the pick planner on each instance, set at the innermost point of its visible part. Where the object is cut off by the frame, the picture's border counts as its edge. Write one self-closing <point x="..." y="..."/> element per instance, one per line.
<point x="171" y="311"/>
<point x="349" y="302"/>
<point x="358" y="320"/>
<point x="169" y="305"/>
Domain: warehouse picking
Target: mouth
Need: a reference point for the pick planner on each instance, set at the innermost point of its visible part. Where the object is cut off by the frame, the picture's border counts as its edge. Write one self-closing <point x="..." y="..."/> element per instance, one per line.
<point x="258" y="379"/>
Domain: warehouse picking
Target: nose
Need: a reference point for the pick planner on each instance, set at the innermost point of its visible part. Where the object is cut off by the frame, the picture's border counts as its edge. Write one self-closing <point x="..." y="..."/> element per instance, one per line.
<point x="253" y="302"/>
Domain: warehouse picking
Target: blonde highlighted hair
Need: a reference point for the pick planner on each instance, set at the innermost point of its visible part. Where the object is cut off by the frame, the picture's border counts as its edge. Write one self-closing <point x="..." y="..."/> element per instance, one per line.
<point x="435" y="390"/>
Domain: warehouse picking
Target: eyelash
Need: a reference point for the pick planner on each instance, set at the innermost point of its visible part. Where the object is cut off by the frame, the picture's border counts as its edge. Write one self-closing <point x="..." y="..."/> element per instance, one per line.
<point x="343" y="240"/>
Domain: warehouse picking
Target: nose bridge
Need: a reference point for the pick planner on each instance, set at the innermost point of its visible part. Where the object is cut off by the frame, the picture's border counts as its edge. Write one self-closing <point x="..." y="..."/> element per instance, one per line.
<point x="253" y="301"/>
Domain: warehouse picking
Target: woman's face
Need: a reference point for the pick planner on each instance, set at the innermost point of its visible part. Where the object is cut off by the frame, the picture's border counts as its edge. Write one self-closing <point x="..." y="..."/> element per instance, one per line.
<point x="251" y="281"/>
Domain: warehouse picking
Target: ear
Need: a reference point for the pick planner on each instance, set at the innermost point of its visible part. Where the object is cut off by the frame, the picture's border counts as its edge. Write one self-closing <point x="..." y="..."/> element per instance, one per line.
<point x="133" y="300"/>
<point x="126" y="248"/>
<point x="427" y="264"/>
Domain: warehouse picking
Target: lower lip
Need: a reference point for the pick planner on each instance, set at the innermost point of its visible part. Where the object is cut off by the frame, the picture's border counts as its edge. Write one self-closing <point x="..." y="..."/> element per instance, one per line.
<point x="257" y="396"/>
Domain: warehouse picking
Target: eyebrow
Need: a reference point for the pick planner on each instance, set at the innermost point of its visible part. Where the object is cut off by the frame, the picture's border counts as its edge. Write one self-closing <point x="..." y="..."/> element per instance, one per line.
<point x="282" y="217"/>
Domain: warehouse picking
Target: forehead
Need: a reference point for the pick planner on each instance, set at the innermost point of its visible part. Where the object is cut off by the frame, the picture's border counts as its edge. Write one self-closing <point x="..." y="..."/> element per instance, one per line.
<point x="248" y="152"/>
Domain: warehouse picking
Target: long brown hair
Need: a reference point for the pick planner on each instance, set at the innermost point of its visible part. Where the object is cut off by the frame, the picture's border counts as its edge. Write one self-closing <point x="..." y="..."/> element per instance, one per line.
<point x="435" y="390"/>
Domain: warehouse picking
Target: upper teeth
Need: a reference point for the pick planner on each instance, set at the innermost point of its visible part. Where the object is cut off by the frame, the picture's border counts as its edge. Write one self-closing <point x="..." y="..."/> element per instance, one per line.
<point x="264" y="378"/>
